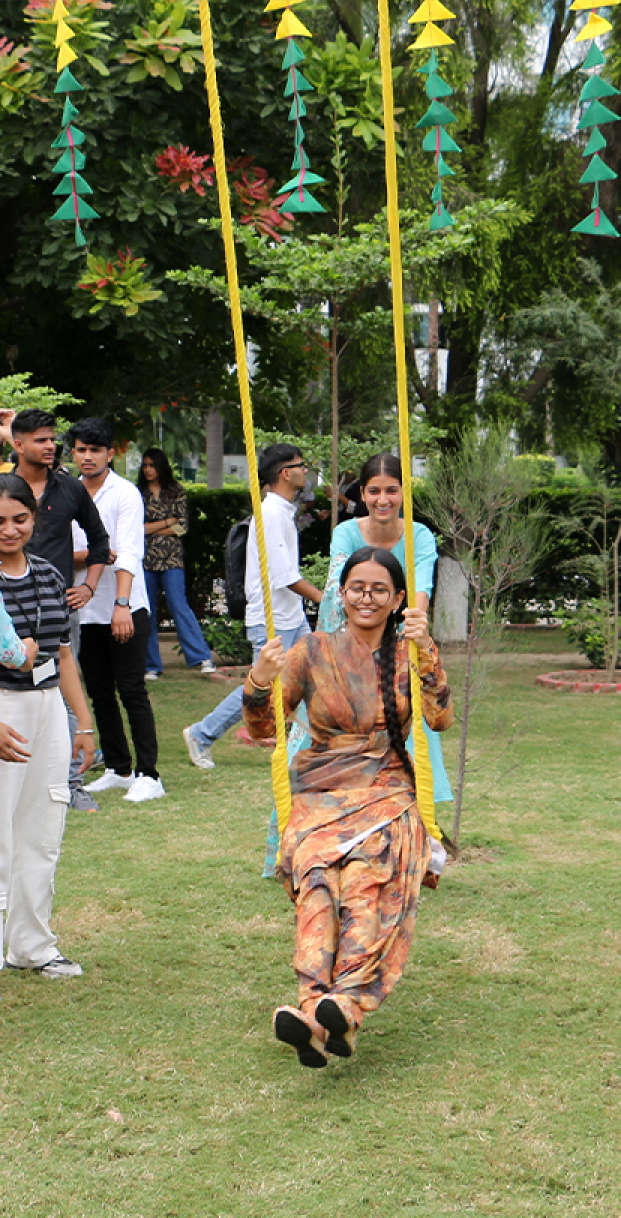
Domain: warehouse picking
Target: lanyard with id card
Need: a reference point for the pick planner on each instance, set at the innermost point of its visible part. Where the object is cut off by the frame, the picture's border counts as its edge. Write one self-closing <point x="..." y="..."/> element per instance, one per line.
<point x="44" y="666"/>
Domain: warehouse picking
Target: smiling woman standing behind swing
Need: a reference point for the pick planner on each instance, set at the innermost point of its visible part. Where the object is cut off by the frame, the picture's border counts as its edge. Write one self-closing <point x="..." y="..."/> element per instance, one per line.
<point x="355" y="851"/>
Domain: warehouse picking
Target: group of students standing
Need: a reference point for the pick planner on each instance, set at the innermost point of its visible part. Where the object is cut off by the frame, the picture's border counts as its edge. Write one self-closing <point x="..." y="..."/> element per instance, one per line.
<point x="73" y="588"/>
<point x="355" y="853"/>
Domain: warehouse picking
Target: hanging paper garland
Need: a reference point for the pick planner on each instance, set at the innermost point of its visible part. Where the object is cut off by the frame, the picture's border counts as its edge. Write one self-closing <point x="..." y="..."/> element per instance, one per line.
<point x="72" y="160"/>
<point x="299" y="198"/>
<point x="438" y="115"/>
<point x="597" y="223"/>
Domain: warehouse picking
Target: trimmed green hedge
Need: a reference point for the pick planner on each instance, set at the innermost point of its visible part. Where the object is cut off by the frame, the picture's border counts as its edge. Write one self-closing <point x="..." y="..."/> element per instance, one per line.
<point x="213" y="512"/>
<point x="554" y="582"/>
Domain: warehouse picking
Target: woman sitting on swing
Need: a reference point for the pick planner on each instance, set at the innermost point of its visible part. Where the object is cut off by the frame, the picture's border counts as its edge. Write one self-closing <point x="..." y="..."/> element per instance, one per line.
<point x="355" y="851"/>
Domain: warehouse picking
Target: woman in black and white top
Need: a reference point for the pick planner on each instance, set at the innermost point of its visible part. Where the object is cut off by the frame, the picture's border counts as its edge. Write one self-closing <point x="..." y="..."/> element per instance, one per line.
<point x="34" y="795"/>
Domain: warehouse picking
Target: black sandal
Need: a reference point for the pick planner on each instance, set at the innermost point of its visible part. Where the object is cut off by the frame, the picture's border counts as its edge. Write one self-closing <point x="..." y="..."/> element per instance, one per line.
<point x="341" y="1033"/>
<point x="292" y="1029"/>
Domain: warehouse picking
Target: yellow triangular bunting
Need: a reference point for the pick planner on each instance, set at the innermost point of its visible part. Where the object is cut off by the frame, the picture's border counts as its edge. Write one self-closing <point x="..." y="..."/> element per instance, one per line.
<point x="65" y="56"/>
<point x="59" y="11"/>
<point x="291" y="27"/>
<point x="431" y="36"/>
<point x="274" y="4"/>
<point x="594" y="28"/>
<point x="63" y="33"/>
<point x="433" y="10"/>
<point x="579" y="5"/>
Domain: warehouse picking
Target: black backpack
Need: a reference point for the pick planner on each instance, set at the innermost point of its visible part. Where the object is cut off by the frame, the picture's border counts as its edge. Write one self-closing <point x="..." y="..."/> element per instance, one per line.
<point x="235" y="548"/>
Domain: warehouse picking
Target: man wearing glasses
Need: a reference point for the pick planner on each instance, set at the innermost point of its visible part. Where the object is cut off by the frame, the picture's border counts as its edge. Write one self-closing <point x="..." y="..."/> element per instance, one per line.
<point x="283" y="471"/>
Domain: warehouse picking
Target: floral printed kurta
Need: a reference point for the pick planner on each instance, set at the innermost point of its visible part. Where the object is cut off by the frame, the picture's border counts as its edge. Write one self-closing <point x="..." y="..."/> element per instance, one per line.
<point x="354" y="825"/>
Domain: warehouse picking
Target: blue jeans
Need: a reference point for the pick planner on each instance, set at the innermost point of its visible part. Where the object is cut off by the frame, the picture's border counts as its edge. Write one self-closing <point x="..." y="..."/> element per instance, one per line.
<point x="189" y="633"/>
<point x="229" y="711"/>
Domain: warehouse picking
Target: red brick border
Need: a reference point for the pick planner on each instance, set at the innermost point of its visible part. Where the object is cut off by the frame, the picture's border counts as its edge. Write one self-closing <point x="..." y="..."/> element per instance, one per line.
<point x="572" y="682"/>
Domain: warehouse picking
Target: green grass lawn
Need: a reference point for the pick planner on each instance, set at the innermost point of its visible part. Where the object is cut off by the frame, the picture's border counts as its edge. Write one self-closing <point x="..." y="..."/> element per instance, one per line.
<point x="488" y="1084"/>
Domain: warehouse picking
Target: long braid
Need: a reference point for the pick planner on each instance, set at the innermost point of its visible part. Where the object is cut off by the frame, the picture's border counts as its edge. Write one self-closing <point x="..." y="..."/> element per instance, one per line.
<point x="387" y="675"/>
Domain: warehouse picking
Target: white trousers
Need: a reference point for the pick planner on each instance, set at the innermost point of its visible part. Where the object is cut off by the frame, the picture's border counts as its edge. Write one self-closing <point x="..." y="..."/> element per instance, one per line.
<point x="33" y="805"/>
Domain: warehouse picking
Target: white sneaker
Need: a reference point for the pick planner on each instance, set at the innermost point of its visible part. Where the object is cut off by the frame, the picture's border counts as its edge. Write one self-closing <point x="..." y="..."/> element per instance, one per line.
<point x="151" y="676"/>
<point x="200" y="754"/>
<point x="110" y="779"/>
<point x="58" y="966"/>
<point x="207" y="667"/>
<point x="145" y="787"/>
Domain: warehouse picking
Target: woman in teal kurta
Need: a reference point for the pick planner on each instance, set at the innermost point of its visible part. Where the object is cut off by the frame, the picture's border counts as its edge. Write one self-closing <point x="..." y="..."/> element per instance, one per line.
<point x="382" y="493"/>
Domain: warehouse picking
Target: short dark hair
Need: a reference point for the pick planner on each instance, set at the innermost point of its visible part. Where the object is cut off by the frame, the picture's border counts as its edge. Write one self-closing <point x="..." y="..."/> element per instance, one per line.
<point x="14" y="487"/>
<point x="272" y="461"/>
<point x="95" y="431"/>
<point x="28" y="421"/>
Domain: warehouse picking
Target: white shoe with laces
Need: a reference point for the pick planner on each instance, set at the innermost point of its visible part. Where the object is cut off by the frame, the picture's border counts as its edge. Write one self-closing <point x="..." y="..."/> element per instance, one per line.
<point x="207" y="667"/>
<point x="110" y="779"/>
<point x="57" y="967"/>
<point x="200" y="754"/>
<point x="144" y="787"/>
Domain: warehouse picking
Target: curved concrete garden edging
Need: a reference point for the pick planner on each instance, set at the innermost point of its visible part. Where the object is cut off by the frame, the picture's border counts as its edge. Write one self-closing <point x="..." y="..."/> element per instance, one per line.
<point x="584" y="681"/>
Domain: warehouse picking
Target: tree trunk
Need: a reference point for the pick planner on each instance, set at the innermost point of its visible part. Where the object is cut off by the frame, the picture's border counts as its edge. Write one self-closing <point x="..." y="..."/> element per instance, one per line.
<point x="614" y="658"/>
<point x="450" y="606"/>
<point x="433" y="342"/>
<point x="214" y="449"/>
<point x="334" y="369"/>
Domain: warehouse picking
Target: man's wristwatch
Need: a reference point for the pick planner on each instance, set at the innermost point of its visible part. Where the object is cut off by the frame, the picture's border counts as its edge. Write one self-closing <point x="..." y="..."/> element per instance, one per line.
<point x="122" y="602"/>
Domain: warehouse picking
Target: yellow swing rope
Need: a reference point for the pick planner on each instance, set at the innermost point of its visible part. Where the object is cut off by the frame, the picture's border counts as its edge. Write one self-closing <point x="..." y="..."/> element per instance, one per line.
<point x="422" y="764"/>
<point x="280" y="773"/>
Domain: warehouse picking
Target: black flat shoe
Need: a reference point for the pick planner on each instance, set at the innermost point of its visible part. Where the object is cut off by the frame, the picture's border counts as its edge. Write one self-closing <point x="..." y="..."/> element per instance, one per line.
<point x="341" y="1033"/>
<point x="292" y="1029"/>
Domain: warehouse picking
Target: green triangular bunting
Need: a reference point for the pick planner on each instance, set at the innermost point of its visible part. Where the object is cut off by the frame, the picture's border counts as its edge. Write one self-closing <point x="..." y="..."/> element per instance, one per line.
<point x="596" y="142"/>
<point x="297" y="83"/>
<point x="67" y="83"/>
<point x="597" y="171"/>
<point x="596" y="87"/>
<point x="298" y="109"/>
<point x="64" y="165"/>
<point x="294" y="54"/>
<point x="65" y="187"/>
<point x="441" y="218"/>
<point x="597" y="113"/>
<point x="70" y="111"/>
<point x="308" y="179"/>
<point x="447" y="143"/>
<point x="596" y="225"/>
<point x="443" y="170"/>
<point x="436" y="115"/>
<point x="430" y="66"/>
<point x="296" y="204"/>
<point x="63" y="141"/>
<point x="67" y="211"/>
<point x="300" y="160"/>
<point x="593" y="58"/>
<point x="436" y="87"/>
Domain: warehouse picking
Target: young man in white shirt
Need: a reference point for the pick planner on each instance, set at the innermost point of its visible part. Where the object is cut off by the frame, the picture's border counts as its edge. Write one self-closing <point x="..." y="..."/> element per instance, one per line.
<point x="114" y="624"/>
<point x="282" y="469"/>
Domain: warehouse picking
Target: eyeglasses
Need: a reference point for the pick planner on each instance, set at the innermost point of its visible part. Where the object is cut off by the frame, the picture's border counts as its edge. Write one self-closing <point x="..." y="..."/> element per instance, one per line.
<point x="295" y="465"/>
<point x="378" y="593"/>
